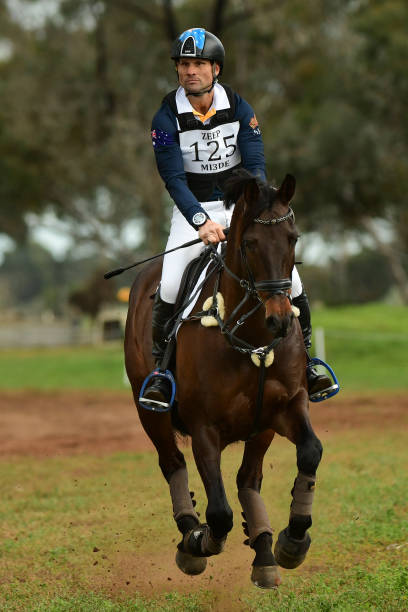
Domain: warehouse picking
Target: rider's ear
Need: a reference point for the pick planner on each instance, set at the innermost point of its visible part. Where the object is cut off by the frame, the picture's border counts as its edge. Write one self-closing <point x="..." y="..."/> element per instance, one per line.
<point x="287" y="189"/>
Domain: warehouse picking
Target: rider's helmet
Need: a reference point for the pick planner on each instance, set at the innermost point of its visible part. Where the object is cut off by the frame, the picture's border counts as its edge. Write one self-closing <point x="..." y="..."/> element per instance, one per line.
<point x="197" y="42"/>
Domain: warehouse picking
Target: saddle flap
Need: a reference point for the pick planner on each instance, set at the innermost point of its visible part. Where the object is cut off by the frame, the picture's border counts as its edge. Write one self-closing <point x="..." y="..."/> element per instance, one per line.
<point x="190" y="277"/>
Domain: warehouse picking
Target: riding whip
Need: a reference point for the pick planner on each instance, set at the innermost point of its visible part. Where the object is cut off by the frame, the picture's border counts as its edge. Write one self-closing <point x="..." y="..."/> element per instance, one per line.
<point x="138" y="263"/>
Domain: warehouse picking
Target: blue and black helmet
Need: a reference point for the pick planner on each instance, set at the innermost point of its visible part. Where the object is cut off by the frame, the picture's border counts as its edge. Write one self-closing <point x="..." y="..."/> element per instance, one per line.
<point x="197" y="42"/>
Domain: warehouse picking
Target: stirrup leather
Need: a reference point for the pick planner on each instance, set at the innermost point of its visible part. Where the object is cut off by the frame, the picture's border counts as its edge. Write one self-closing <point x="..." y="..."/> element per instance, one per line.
<point x="155" y="405"/>
<point x="320" y="396"/>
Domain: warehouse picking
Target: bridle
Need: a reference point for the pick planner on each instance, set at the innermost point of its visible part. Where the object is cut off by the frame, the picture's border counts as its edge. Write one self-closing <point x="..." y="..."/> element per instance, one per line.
<point x="276" y="220"/>
<point x="252" y="288"/>
<point x="272" y="287"/>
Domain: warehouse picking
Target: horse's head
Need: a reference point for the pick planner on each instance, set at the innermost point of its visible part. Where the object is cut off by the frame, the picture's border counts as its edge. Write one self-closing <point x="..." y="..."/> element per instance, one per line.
<point x="261" y="242"/>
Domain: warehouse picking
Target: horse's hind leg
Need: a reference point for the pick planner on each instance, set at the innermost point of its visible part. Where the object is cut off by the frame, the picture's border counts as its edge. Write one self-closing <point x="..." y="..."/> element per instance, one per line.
<point x="173" y="466"/>
<point x="265" y="572"/>
<point x="294" y="541"/>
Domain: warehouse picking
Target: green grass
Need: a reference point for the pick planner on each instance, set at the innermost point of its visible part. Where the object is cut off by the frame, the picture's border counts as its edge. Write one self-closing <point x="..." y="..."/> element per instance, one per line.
<point x="90" y="367"/>
<point x="96" y="533"/>
<point x="366" y="346"/>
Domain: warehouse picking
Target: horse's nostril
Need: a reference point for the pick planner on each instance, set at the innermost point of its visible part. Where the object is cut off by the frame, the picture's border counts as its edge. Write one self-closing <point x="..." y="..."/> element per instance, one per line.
<point x="279" y="325"/>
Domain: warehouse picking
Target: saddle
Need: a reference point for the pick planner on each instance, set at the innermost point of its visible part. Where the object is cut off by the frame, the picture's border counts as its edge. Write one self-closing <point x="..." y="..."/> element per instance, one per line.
<point x="187" y="293"/>
<point x="191" y="276"/>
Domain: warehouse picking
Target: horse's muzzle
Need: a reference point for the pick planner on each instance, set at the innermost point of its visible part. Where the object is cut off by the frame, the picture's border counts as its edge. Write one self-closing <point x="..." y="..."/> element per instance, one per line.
<point x="279" y="315"/>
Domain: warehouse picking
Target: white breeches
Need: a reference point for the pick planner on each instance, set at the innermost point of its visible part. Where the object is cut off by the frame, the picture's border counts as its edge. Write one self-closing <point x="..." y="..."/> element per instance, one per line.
<point x="181" y="231"/>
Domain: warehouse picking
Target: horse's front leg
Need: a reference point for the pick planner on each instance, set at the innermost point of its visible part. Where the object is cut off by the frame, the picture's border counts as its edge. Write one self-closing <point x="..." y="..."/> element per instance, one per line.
<point x="294" y="541"/>
<point x="265" y="573"/>
<point x="209" y="539"/>
<point x="173" y="466"/>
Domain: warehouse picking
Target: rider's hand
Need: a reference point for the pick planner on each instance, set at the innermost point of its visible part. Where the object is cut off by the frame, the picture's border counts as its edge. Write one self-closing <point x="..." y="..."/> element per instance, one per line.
<point x="211" y="232"/>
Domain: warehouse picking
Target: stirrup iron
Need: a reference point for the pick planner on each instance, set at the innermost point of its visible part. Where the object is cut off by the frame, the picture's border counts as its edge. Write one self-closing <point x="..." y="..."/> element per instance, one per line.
<point x="155" y="405"/>
<point x="320" y="396"/>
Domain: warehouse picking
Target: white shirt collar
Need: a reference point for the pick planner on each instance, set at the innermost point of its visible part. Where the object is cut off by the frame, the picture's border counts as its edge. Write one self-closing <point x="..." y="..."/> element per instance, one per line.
<point x="220" y="100"/>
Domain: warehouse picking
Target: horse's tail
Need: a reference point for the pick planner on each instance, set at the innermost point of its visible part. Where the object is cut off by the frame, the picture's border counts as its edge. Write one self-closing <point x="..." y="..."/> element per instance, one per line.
<point x="138" y="340"/>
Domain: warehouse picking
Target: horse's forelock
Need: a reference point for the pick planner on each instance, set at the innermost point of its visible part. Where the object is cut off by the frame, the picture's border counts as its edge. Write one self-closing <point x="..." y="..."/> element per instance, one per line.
<point x="266" y="199"/>
<point x="235" y="186"/>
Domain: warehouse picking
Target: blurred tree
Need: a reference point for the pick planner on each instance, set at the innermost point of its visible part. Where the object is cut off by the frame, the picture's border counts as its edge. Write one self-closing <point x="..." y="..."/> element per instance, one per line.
<point x="31" y="277"/>
<point x="368" y="276"/>
<point x="349" y="279"/>
<point x="326" y="116"/>
<point x="382" y="61"/>
<point x="79" y="91"/>
<point x="76" y="110"/>
<point x="26" y="272"/>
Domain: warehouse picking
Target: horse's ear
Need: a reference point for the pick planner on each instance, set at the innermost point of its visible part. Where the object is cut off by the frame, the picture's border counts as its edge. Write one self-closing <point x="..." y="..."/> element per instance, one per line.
<point x="251" y="191"/>
<point x="287" y="189"/>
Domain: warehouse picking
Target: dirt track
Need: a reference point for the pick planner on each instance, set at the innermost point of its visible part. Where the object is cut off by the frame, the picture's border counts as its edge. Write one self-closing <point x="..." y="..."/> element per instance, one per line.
<point x="66" y="423"/>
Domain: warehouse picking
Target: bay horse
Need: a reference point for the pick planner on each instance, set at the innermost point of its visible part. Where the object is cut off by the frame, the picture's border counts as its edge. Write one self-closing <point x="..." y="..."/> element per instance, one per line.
<point x="223" y="396"/>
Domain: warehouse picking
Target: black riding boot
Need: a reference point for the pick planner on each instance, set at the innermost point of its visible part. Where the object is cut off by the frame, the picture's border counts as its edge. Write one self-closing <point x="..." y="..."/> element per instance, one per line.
<point x="315" y="382"/>
<point x="158" y="392"/>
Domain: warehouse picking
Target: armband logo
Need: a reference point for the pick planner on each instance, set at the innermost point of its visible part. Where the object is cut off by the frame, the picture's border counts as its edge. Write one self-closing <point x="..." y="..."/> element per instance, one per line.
<point x="254" y="122"/>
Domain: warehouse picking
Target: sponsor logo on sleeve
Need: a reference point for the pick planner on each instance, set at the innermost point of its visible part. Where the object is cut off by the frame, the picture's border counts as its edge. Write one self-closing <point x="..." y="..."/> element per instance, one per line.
<point x="254" y="122"/>
<point x="255" y="125"/>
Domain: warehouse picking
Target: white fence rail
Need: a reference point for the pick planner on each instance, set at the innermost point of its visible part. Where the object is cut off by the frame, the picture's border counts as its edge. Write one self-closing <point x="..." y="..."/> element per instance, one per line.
<point x="21" y="334"/>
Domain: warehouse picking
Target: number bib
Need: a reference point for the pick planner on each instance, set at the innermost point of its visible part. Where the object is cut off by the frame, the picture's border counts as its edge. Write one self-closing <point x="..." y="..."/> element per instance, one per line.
<point x="208" y="151"/>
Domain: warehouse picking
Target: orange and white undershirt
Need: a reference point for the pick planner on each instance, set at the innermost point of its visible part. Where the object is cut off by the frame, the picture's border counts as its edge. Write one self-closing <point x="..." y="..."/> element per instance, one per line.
<point x="203" y="118"/>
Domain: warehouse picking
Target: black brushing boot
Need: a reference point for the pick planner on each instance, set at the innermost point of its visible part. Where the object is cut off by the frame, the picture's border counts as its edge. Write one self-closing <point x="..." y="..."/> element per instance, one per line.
<point x="158" y="391"/>
<point x="316" y="382"/>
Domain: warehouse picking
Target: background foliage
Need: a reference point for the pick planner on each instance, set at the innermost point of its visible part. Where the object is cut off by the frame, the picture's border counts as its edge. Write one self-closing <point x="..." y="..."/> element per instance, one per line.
<point x="327" y="79"/>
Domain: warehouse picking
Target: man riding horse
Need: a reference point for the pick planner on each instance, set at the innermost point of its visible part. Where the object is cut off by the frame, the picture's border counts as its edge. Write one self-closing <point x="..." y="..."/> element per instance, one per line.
<point x="202" y="132"/>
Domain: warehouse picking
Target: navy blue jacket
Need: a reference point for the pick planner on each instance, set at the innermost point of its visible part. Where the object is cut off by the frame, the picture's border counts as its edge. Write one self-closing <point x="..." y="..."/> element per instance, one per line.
<point x="169" y="159"/>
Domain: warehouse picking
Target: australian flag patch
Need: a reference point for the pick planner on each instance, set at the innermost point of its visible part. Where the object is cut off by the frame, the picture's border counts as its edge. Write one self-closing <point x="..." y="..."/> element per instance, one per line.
<point x="162" y="139"/>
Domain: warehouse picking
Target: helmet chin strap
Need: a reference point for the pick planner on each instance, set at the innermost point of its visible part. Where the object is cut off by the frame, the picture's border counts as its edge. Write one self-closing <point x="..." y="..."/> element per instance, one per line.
<point x="197" y="94"/>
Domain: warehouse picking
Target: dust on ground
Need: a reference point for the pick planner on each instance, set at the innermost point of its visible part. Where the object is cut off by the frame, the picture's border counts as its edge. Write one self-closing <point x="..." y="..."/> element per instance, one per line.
<point x="74" y="422"/>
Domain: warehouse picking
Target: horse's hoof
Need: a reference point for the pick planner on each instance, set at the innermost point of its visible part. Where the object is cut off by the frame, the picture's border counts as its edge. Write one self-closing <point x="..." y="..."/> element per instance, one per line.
<point x="266" y="576"/>
<point x="189" y="564"/>
<point x="290" y="553"/>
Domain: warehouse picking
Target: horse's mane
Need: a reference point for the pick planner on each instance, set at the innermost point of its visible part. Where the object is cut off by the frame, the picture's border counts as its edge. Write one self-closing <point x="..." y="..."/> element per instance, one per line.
<point x="235" y="185"/>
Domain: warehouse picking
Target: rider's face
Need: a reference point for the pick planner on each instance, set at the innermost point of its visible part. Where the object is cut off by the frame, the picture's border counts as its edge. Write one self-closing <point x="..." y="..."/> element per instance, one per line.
<point x="195" y="74"/>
